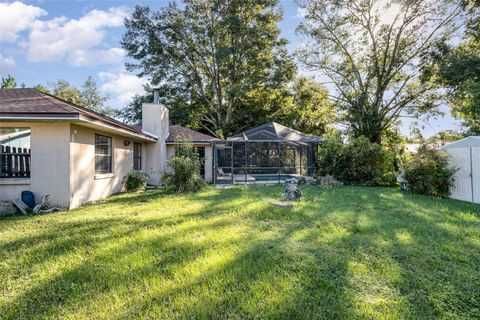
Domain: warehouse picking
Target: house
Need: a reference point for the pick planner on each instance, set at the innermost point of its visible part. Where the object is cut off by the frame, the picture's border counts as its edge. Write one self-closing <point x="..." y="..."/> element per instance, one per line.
<point x="51" y="146"/>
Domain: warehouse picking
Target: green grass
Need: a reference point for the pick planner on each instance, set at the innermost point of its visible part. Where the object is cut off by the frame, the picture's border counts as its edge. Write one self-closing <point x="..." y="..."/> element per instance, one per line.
<point x="352" y="252"/>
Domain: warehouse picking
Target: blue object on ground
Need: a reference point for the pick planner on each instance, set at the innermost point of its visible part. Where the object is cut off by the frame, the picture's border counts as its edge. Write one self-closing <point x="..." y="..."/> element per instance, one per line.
<point x="28" y="198"/>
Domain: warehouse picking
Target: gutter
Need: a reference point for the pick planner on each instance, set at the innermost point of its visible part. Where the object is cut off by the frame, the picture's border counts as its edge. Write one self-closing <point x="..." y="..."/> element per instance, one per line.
<point x="122" y="130"/>
<point x="40" y="117"/>
<point x="190" y="142"/>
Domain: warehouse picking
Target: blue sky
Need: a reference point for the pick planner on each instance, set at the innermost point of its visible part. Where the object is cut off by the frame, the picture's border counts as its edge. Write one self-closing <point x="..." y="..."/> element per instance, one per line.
<point x="41" y="41"/>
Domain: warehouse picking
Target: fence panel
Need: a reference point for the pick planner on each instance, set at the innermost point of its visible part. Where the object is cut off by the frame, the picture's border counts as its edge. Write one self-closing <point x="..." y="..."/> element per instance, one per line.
<point x="15" y="162"/>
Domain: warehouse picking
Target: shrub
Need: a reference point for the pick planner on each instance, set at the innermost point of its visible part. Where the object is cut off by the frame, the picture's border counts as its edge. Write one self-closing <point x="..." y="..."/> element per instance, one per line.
<point x="135" y="180"/>
<point x="357" y="162"/>
<point x="428" y="173"/>
<point x="185" y="169"/>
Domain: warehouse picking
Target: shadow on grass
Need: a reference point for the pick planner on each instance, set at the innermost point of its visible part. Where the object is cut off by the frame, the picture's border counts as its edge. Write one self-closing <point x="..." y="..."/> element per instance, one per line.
<point x="344" y="253"/>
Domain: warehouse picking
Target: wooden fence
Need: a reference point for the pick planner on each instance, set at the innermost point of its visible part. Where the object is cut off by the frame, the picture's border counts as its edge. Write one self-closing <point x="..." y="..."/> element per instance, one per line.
<point x="15" y="162"/>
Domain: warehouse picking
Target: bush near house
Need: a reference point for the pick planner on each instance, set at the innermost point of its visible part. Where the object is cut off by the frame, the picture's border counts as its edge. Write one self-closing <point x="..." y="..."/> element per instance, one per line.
<point x="185" y="169"/>
<point x="428" y="172"/>
<point x="357" y="162"/>
<point x="135" y="180"/>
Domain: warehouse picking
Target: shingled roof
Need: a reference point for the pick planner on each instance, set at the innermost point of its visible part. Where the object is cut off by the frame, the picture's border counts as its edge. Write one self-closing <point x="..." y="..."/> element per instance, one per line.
<point x="27" y="102"/>
<point x="179" y="133"/>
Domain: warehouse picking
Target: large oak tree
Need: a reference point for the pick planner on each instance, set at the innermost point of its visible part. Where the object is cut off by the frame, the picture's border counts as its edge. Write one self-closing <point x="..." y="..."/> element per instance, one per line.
<point x="369" y="50"/>
<point x="215" y="59"/>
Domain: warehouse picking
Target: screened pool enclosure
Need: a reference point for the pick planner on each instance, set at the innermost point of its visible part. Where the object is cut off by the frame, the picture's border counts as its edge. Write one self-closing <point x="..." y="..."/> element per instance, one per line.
<point x="270" y="153"/>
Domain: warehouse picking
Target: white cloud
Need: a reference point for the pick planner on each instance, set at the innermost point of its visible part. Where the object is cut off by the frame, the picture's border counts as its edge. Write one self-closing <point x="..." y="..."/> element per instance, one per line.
<point x="95" y="57"/>
<point x="122" y="85"/>
<point x="16" y="17"/>
<point x="6" y="64"/>
<point x="75" y="40"/>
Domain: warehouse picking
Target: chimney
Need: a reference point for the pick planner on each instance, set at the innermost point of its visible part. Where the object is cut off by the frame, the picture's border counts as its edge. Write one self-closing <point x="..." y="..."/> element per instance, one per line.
<point x="156" y="96"/>
<point x="155" y="120"/>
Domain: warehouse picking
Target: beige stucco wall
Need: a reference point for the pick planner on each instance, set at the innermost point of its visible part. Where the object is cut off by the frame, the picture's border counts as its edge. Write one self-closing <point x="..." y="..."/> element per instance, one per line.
<point x="50" y="162"/>
<point x="85" y="186"/>
<point x="208" y="159"/>
<point x="208" y="163"/>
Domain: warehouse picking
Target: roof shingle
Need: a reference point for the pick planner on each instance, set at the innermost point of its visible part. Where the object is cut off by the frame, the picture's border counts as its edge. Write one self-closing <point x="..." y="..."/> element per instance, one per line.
<point x="179" y="133"/>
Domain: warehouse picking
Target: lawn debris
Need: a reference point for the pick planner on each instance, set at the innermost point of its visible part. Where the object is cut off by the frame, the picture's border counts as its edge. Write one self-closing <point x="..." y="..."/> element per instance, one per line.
<point x="292" y="192"/>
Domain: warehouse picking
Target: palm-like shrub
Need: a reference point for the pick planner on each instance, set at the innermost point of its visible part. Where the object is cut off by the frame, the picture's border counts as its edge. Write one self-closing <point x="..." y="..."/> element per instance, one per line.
<point x="184" y="175"/>
<point x="428" y="173"/>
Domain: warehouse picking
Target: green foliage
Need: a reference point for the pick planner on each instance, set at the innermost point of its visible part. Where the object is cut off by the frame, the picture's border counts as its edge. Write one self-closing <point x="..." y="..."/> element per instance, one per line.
<point x="184" y="175"/>
<point x="442" y="138"/>
<point x="216" y="62"/>
<point x="8" y="82"/>
<point x="306" y="108"/>
<point x="88" y="96"/>
<point x="457" y="68"/>
<point x="132" y="113"/>
<point x="428" y="173"/>
<point x="357" y="162"/>
<point x="63" y="90"/>
<point x="135" y="180"/>
<point x="369" y="50"/>
<point x="92" y="99"/>
<point x="41" y="88"/>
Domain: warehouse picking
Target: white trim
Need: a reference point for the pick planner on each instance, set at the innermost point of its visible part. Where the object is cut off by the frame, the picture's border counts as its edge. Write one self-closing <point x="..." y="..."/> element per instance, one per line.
<point x="123" y="131"/>
<point x="150" y="133"/>
<point x="14" y="181"/>
<point x="104" y="175"/>
<point x="203" y="143"/>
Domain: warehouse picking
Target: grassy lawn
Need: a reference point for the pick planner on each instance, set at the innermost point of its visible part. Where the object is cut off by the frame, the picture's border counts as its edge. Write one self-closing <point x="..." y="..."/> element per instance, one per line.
<point x="352" y="252"/>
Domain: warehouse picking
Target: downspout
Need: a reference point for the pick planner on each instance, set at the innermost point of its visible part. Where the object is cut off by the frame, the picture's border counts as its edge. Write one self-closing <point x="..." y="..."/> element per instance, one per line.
<point x="471" y="174"/>
<point x="71" y="150"/>
<point x="214" y="165"/>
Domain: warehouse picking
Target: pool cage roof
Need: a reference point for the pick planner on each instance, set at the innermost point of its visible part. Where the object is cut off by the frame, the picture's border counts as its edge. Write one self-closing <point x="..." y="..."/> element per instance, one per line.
<point x="268" y="153"/>
<point x="273" y="131"/>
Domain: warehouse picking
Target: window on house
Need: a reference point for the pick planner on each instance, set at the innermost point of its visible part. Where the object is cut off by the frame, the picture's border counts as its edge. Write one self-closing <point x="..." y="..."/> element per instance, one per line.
<point x="137" y="156"/>
<point x="15" y="152"/>
<point x="103" y="154"/>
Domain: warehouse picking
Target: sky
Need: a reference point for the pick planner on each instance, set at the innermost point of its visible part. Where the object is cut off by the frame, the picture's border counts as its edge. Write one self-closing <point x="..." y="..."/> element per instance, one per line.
<point x="42" y="41"/>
